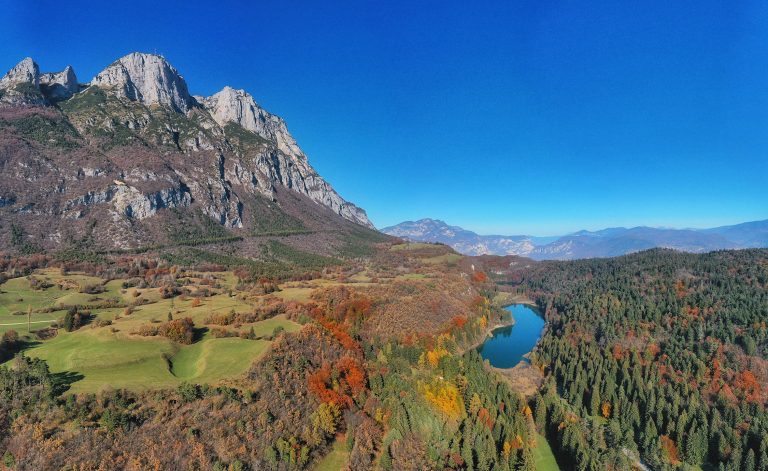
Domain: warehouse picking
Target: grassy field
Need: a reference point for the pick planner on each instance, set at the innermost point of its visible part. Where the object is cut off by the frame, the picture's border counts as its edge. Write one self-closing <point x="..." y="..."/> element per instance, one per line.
<point x="294" y="294"/>
<point x="411" y="276"/>
<point x="336" y="459"/>
<point x="411" y="246"/>
<point x="545" y="459"/>
<point x="112" y="356"/>
<point x="301" y="290"/>
<point x="210" y="360"/>
<point x="17" y="297"/>
<point x="446" y="259"/>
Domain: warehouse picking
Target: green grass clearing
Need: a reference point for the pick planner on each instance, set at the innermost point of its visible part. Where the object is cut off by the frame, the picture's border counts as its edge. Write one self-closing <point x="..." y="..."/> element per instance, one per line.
<point x="411" y="276"/>
<point x="336" y="459"/>
<point x="544" y="458"/>
<point x="448" y="259"/>
<point x="210" y="359"/>
<point x="411" y="246"/>
<point x="294" y="294"/>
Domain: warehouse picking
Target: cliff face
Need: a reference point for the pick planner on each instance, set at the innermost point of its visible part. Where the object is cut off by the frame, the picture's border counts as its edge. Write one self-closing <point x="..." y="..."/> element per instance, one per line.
<point x="59" y="85"/>
<point x="239" y="107"/>
<point x="148" y="79"/>
<point x="134" y="151"/>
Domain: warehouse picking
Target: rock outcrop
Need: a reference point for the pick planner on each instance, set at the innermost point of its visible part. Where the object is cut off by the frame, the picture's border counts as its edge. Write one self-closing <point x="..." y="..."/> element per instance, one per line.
<point x="151" y="80"/>
<point x="288" y="167"/>
<point x="25" y="71"/>
<point x="238" y="106"/>
<point x="59" y="85"/>
<point x="21" y="85"/>
<point x="147" y="78"/>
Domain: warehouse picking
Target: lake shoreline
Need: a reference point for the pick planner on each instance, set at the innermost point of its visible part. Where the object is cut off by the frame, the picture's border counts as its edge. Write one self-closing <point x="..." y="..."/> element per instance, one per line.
<point x="505" y="349"/>
<point x="489" y="333"/>
<point x="518" y="342"/>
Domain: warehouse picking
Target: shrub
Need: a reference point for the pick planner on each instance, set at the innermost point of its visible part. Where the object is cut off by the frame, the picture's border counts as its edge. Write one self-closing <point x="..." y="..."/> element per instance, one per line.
<point x="169" y="291"/>
<point x="74" y="319"/>
<point x="218" y="333"/>
<point x="178" y="330"/>
<point x="93" y="289"/>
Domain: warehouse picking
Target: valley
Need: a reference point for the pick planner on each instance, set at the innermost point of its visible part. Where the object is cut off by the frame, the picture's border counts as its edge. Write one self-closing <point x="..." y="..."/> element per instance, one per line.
<point x="181" y="290"/>
<point x="132" y="328"/>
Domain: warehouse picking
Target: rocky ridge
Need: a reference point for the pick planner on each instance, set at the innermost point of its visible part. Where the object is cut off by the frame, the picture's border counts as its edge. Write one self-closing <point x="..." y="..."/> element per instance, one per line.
<point x="135" y="142"/>
<point x="59" y="85"/>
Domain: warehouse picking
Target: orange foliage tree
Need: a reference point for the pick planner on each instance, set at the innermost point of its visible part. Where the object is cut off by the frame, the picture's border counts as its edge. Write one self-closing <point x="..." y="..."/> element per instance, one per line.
<point x="670" y="449"/>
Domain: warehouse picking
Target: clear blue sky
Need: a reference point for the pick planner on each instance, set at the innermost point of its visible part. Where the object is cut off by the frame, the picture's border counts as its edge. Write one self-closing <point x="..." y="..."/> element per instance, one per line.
<point x="505" y="117"/>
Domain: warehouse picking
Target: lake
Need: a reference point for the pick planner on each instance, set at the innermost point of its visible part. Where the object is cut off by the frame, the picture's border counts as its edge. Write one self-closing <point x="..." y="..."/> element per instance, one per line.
<point x="507" y="345"/>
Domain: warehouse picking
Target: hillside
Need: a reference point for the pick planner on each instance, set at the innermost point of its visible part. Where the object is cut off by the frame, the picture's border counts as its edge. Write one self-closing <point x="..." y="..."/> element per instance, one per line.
<point x="132" y="161"/>
<point x="135" y="363"/>
<point x="609" y="242"/>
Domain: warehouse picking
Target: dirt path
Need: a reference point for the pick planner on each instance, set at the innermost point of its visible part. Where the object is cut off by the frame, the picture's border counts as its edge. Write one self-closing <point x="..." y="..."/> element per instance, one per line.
<point x="25" y="323"/>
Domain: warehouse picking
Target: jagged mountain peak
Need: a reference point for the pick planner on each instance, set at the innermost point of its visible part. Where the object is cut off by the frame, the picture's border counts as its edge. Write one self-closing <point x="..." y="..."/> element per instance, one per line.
<point x="60" y="85"/>
<point x="238" y="106"/>
<point x="147" y="78"/>
<point x="26" y="71"/>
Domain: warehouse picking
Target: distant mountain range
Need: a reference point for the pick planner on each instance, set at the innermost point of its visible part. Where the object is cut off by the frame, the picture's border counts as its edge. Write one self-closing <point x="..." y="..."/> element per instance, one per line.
<point x="609" y="242"/>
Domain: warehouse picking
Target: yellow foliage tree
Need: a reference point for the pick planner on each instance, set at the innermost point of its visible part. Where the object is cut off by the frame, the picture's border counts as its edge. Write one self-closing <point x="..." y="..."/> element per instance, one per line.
<point x="445" y="397"/>
<point x="606" y="409"/>
<point x="434" y="356"/>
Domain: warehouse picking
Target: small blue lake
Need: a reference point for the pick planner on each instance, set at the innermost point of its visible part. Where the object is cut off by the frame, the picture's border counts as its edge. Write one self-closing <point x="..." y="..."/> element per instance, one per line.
<point x="507" y="345"/>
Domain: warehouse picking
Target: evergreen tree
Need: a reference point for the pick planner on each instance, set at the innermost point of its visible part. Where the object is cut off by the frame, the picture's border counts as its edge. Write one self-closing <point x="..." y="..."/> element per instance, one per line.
<point x="695" y="445"/>
<point x="750" y="461"/>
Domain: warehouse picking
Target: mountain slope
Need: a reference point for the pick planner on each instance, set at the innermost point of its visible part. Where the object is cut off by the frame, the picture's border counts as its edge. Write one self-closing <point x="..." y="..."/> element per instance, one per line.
<point x="748" y="234"/>
<point x="609" y="242"/>
<point x="133" y="159"/>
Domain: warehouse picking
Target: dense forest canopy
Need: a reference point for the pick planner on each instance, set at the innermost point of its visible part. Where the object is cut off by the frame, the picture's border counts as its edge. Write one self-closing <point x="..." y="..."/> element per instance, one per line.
<point x="661" y="352"/>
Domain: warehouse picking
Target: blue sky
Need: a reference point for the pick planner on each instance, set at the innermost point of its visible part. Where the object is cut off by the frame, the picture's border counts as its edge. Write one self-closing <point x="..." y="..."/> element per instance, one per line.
<point x="502" y="117"/>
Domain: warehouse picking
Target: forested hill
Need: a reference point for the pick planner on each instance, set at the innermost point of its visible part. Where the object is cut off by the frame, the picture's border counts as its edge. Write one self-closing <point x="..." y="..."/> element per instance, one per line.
<point x="659" y="352"/>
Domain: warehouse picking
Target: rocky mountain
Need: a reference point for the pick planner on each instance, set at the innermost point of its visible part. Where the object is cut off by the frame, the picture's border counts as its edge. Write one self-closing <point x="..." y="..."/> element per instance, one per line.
<point x="148" y="79"/>
<point x="133" y="159"/>
<point x="59" y="86"/>
<point x="585" y="244"/>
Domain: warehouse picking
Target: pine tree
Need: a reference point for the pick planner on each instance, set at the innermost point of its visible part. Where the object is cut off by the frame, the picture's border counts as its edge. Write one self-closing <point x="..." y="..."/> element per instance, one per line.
<point x="763" y="465"/>
<point x="649" y="434"/>
<point x="749" y="461"/>
<point x="595" y="402"/>
<point x="695" y="445"/>
<point x="540" y="413"/>
<point x="529" y="463"/>
<point x="466" y="449"/>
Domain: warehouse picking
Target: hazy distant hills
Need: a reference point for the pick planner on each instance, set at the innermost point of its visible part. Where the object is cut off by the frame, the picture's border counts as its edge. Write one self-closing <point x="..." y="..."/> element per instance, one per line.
<point x="608" y="242"/>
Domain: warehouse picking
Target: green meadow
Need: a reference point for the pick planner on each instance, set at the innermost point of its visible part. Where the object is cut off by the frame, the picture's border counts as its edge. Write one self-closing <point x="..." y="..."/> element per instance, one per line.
<point x="106" y="353"/>
<point x="544" y="458"/>
<point x="336" y="459"/>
